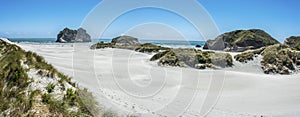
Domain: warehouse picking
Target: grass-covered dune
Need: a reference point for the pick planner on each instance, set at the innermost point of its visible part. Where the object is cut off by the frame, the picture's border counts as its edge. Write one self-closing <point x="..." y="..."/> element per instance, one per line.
<point x="29" y="86"/>
<point x="278" y="59"/>
<point x="193" y="58"/>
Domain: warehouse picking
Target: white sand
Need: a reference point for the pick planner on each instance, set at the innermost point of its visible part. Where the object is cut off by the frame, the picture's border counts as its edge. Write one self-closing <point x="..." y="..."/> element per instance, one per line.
<point x="126" y="81"/>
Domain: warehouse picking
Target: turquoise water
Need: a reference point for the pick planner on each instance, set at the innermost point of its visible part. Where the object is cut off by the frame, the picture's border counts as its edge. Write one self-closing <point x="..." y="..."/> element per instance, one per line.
<point x="165" y="43"/>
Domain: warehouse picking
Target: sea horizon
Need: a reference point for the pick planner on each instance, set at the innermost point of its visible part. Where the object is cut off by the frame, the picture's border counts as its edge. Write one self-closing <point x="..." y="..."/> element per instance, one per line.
<point x="165" y="43"/>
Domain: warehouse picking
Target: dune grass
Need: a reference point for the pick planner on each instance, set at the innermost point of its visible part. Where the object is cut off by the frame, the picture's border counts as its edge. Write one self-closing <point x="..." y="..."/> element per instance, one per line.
<point x="17" y="100"/>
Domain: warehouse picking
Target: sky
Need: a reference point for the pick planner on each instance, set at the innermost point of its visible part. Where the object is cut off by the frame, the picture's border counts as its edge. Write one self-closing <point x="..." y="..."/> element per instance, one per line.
<point x="45" y="18"/>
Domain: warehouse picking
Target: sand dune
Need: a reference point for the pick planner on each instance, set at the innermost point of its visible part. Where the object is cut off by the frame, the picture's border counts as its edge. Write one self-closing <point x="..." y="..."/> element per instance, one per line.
<point x="127" y="82"/>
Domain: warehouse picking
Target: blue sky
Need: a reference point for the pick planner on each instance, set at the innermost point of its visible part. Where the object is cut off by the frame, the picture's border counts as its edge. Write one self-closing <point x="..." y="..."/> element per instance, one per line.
<point x="45" y="18"/>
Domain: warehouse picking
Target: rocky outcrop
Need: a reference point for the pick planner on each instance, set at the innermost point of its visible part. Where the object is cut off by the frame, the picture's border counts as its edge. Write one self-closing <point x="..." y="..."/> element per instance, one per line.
<point x="193" y="58"/>
<point x="125" y="41"/>
<point x="277" y="59"/>
<point x="198" y="46"/>
<point x="293" y="41"/>
<point x="70" y="36"/>
<point x="128" y="42"/>
<point x="241" y="40"/>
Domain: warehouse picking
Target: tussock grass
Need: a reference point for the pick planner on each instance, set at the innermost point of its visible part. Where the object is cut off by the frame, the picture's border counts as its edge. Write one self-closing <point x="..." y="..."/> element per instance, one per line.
<point x="17" y="100"/>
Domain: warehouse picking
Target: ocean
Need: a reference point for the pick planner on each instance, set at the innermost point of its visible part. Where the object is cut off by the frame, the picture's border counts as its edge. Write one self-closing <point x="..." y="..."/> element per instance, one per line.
<point x="164" y="43"/>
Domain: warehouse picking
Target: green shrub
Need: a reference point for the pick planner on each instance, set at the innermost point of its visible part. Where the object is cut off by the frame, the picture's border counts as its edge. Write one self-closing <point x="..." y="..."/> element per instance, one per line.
<point x="70" y="96"/>
<point x="248" y="55"/>
<point x="192" y="57"/>
<point x="280" y="59"/>
<point x="46" y="98"/>
<point x="66" y="78"/>
<point x="50" y="87"/>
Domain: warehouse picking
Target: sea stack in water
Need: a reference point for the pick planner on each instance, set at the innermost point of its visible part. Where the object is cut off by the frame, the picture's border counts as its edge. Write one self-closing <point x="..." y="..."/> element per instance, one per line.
<point x="70" y="36"/>
<point x="241" y="40"/>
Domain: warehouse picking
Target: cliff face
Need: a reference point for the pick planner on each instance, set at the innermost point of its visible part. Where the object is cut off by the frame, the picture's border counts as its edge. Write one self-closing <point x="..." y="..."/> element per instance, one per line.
<point x="71" y="36"/>
<point x="29" y="86"/>
<point x="241" y="40"/>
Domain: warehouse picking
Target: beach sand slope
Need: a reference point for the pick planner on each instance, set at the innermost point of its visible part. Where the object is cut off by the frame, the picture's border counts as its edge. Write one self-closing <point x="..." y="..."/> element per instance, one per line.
<point x="125" y="81"/>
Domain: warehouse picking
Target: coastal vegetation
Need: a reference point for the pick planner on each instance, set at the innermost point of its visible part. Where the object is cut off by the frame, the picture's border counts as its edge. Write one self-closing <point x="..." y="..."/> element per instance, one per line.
<point x="171" y="57"/>
<point x="32" y="87"/>
<point x="102" y="45"/>
<point x="248" y="55"/>
<point x="278" y="58"/>
<point x="193" y="58"/>
<point x="149" y="48"/>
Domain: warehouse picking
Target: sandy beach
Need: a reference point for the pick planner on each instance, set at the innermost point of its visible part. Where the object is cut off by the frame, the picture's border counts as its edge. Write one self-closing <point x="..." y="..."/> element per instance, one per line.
<point x="126" y="82"/>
